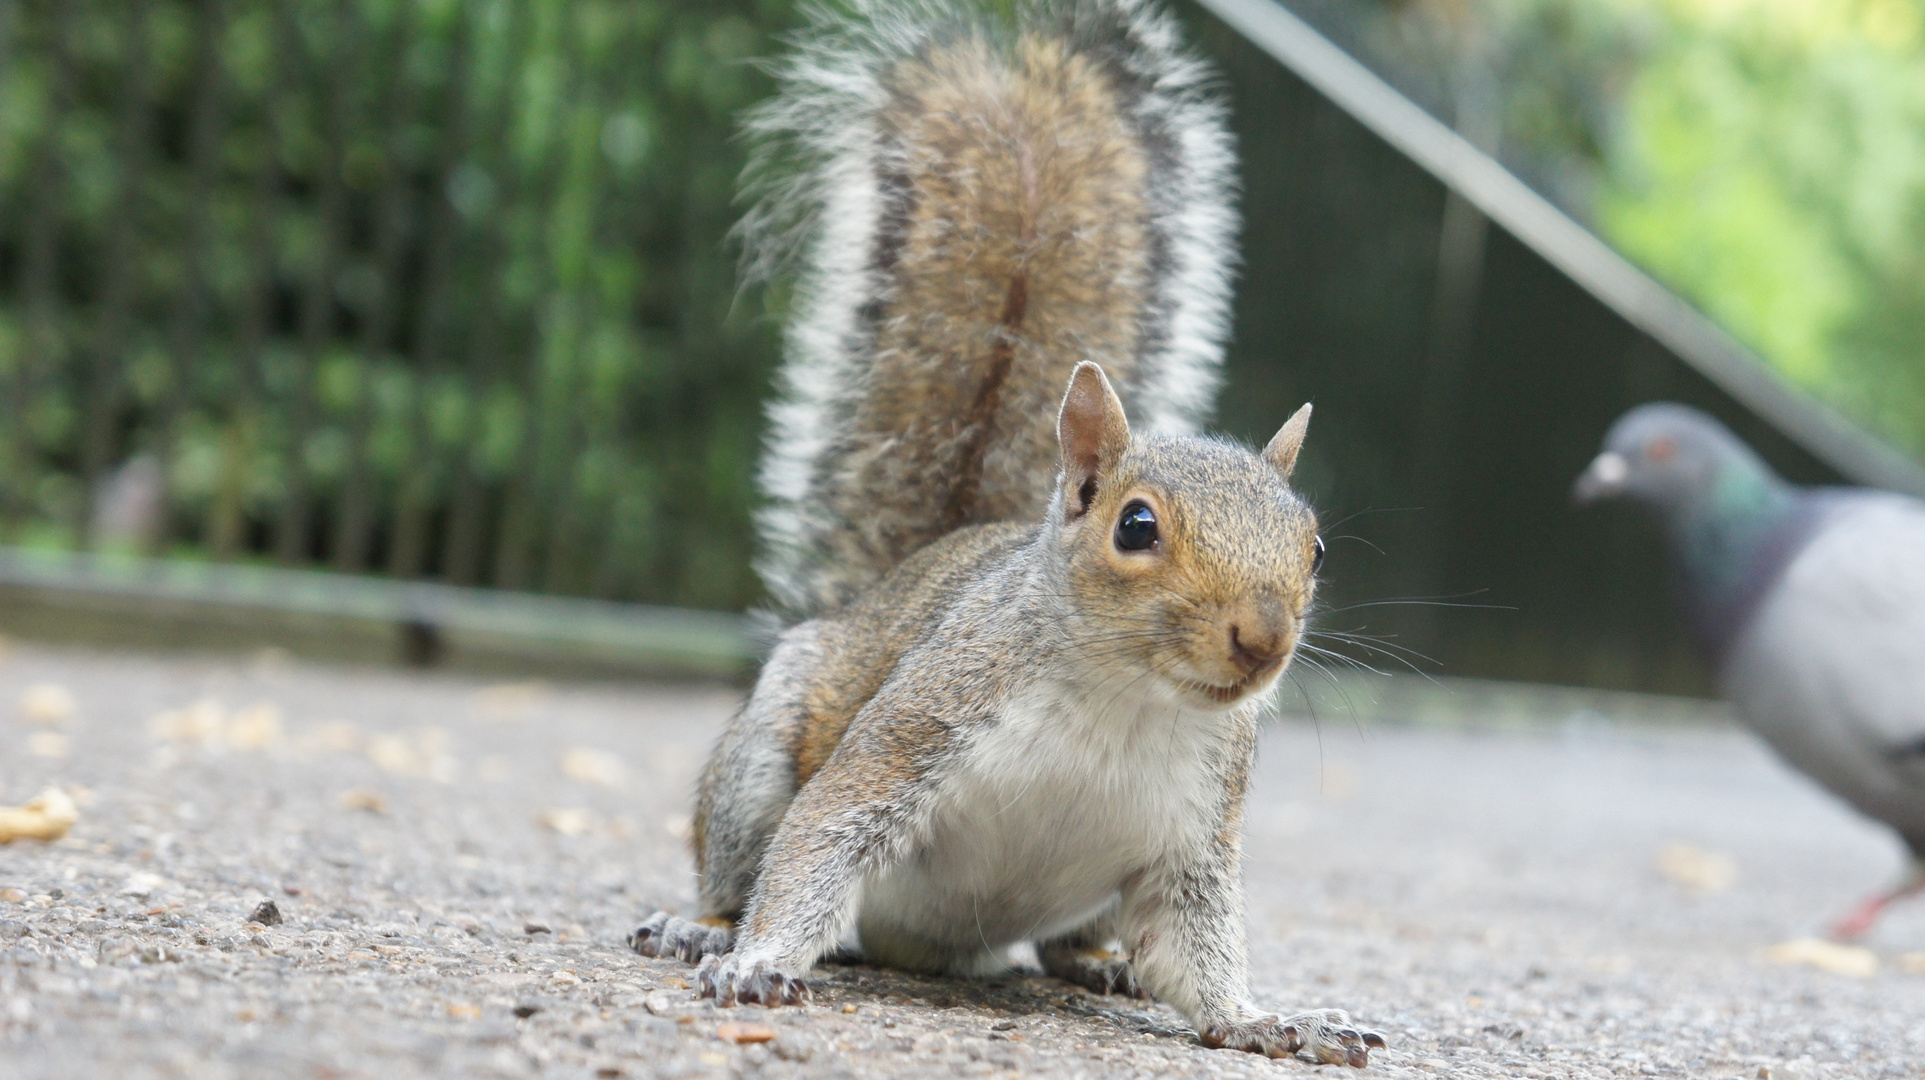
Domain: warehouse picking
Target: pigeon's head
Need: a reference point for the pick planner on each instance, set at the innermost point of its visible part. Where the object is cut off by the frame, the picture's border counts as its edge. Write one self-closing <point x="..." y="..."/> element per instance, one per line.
<point x="1730" y="521"/>
<point x="1672" y="459"/>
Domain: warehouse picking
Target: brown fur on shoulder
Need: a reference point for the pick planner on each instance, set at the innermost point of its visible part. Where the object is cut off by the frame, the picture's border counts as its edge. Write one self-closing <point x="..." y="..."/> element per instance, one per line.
<point x="862" y="644"/>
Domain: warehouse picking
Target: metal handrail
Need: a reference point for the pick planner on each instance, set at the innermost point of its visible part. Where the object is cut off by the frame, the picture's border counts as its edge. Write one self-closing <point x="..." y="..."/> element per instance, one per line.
<point x="634" y="634"/>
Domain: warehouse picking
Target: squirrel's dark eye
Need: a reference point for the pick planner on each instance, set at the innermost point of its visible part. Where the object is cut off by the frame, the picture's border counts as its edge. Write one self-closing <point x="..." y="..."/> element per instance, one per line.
<point x="1316" y="561"/>
<point x="1136" y="529"/>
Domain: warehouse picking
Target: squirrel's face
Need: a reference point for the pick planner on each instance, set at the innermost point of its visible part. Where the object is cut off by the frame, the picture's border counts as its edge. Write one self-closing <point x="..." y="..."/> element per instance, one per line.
<point x="1189" y="559"/>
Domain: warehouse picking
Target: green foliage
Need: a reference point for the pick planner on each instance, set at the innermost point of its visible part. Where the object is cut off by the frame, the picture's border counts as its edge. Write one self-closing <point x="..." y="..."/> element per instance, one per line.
<point x="1772" y="166"/>
<point x="429" y="286"/>
<point x="1766" y="158"/>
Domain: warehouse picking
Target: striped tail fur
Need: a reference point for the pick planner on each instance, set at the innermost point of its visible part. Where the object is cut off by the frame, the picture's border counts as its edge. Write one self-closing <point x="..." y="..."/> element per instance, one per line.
<point x="971" y="204"/>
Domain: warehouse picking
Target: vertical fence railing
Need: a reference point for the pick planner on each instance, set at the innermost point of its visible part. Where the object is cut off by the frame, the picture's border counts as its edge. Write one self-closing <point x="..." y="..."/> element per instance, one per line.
<point x="396" y="286"/>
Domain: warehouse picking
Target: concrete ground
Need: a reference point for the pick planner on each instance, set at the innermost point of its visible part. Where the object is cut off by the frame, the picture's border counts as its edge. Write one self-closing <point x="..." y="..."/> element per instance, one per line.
<point x="455" y="865"/>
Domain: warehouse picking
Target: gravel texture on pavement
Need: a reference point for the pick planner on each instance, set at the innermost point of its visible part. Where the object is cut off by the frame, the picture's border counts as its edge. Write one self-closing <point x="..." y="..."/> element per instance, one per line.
<point x="454" y="866"/>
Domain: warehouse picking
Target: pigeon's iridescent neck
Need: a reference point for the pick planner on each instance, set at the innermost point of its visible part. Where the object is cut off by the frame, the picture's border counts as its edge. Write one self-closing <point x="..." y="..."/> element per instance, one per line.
<point x="1732" y="546"/>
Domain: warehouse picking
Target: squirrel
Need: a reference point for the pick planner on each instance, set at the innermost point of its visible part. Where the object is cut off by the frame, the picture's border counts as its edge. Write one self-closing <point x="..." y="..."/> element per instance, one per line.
<point x="1019" y="702"/>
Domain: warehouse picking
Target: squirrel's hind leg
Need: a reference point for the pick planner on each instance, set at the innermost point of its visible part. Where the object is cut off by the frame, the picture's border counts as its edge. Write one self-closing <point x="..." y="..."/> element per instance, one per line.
<point x="744" y="791"/>
<point x="1088" y="957"/>
<point x="753" y="775"/>
<point x="886" y="943"/>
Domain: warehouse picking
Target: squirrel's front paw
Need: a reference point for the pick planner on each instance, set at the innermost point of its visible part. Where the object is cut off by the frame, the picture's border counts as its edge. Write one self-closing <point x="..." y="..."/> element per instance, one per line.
<point x="730" y="980"/>
<point x="662" y="934"/>
<point x="1325" y="1033"/>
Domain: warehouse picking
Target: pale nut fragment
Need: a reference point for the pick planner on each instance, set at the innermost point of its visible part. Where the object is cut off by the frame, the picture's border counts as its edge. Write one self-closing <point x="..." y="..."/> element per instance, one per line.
<point x="589" y="766"/>
<point x="423" y="753"/>
<point x="744" y="1033"/>
<point x="198" y="722"/>
<point x="46" y="816"/>
<point x="1697" y="869"/>
<point x="254" y="728"/>
<point x="335" y="736"/>
<point x="509" y="701"/>
<point x="364" y="799"/>
<point x="46" y="704"/>
<point x="394" y="754"/>
<point x="142" y="884"/>
<point x="1848" y="960"/>
<point x="209" y="722"/>
<point x="49" y="744"/>
<point x="567" y="820"/>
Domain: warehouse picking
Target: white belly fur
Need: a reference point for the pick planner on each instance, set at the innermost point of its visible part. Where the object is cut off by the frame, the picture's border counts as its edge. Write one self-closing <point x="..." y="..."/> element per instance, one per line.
<point x="1037" y="829"/>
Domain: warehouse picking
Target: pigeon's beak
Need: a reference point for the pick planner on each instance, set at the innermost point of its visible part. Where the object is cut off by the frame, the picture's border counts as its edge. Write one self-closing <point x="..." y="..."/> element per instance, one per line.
<point x="1603" y="480"/>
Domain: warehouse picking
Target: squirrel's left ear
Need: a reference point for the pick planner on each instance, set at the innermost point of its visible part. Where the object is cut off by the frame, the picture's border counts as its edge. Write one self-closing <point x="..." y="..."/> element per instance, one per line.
<point x="1282" y="451"/>
<point x="1094" y="435"/>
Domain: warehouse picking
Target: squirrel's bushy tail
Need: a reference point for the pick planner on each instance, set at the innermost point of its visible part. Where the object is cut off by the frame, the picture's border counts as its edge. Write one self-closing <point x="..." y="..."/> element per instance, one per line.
<point x="973" y="205"/>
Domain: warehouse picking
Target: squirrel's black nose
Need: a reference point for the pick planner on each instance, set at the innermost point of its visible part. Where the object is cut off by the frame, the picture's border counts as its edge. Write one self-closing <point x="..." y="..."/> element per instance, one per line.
<point x="1254" y="650"/>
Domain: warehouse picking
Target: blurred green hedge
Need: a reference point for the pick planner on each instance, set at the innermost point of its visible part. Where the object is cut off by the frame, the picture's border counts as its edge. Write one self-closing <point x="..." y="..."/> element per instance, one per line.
<point x="422" y="286"/>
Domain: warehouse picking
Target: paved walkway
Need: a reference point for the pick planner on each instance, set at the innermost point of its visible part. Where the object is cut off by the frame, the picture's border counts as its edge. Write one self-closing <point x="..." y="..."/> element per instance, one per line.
<point x="456" y="863"/>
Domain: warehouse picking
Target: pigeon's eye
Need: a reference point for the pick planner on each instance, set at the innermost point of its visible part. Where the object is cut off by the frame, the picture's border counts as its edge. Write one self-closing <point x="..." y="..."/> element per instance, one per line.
<point x="1661" y="449"/>
<point x="1316" y="560"/>
<point x="1136" y="529"/>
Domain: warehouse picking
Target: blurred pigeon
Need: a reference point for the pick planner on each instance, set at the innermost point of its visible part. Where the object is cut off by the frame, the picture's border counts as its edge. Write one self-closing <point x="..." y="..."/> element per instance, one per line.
<point x="1810" y="601"/>
<point x="128" y="506"/>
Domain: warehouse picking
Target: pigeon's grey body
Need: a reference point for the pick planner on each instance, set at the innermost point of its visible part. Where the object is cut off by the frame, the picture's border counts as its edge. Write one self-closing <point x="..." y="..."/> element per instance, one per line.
<point x="1810" y="601"/>
<point x="1831" y="668"/>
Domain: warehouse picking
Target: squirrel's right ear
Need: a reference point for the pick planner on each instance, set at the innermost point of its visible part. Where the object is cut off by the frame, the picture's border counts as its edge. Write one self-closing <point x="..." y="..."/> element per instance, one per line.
<point x="1282" y="451"/>
<point x="1094" y="435"/>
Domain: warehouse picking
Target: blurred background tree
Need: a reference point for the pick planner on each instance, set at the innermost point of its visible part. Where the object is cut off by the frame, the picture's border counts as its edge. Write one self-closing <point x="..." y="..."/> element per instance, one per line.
<point x="423" y="286"/>
<point x="1772" y="165"/>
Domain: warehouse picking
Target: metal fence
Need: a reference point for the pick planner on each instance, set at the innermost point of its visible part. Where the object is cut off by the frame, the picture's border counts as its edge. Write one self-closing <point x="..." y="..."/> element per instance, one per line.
<point x="426" y="287"/>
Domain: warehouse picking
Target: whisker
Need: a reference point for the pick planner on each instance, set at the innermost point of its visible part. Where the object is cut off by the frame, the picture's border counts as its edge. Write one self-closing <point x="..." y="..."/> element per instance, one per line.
<point x="1341" y="658"/>
<point x="1422" y="601"/>
<point x="1382" y="646"/>
<point x="1359" y="539"/>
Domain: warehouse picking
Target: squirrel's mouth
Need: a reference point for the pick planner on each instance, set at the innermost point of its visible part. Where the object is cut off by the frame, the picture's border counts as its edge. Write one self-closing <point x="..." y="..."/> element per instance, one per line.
<point x="1234" y="692"/>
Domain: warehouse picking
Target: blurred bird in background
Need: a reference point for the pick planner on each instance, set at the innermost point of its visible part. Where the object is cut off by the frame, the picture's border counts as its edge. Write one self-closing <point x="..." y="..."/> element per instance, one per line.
<point x="129" y="507"/>
<point x="1810" y="602"/>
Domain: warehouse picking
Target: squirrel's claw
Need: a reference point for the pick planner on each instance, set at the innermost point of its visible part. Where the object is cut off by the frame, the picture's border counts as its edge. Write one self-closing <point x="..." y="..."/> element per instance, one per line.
<point x="1325" y="1034"/>
<point x="760" y="982"/>
<point x="1329" y="1037"/>
<point x="662" y="934"/>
